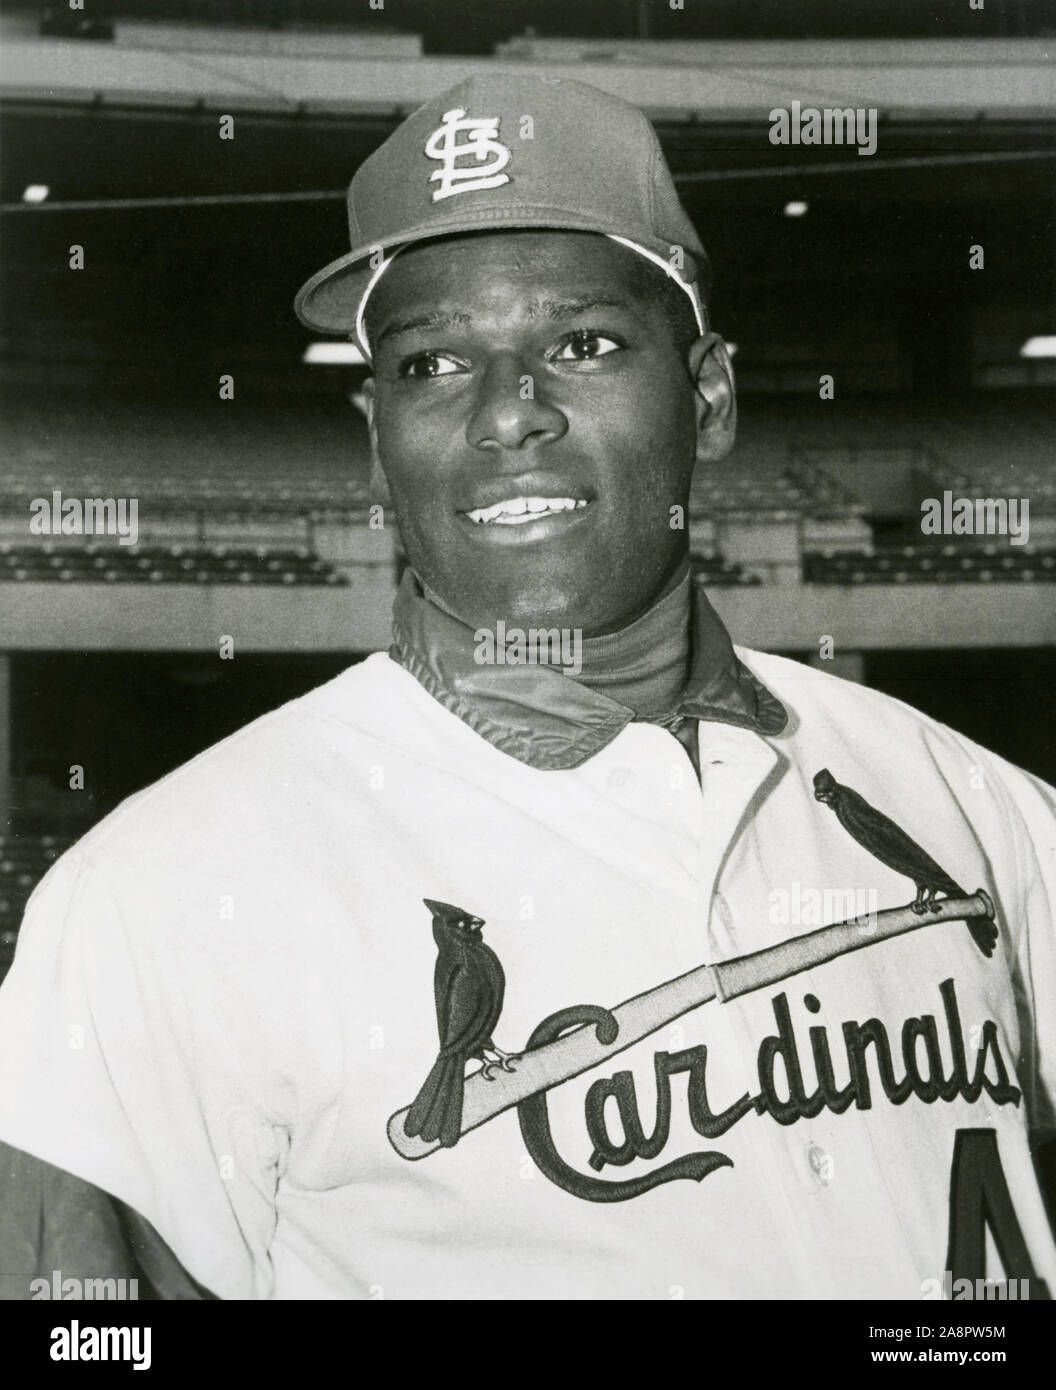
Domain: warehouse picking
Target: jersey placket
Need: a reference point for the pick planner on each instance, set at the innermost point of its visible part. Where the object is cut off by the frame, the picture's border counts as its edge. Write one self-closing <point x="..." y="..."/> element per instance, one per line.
<point x="735" y="765"/>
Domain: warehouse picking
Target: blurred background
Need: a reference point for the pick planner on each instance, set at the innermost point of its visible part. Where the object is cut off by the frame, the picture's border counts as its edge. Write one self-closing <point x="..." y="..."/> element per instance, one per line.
<point x="253" y="509"/>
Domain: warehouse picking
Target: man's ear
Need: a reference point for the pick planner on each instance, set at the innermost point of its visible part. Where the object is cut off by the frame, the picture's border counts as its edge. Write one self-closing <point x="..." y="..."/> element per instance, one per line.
<point x="716" y="402"/>
<point x="379" y="485"/>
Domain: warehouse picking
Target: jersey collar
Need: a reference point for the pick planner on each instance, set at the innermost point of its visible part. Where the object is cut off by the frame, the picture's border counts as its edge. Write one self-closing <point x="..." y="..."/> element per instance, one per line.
<point x="549" y="720"/>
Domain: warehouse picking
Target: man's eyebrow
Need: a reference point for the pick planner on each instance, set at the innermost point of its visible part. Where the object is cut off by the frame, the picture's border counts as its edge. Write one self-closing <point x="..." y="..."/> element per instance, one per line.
<point x="436" y="321"/>
<point x="554" y="310"/>
<point x="569" y="308"/>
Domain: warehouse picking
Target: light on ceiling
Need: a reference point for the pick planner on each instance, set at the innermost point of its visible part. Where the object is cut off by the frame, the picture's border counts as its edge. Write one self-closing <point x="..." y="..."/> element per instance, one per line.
<point x="1040" y="346"/>
<point x="35" y="193"/>
<point x="796" y="208"/>
<point x="333" y="355"/>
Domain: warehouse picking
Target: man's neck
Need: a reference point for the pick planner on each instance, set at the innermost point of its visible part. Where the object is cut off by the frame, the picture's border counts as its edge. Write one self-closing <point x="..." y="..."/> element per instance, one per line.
<point x="643" y="665"/>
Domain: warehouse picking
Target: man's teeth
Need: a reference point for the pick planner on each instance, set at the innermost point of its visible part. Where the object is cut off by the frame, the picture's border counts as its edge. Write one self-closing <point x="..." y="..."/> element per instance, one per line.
<point x="517" y="510"/>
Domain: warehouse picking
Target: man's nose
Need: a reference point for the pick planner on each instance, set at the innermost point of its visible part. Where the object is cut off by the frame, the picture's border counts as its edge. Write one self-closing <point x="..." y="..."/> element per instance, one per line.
<point x="511" y="410"/>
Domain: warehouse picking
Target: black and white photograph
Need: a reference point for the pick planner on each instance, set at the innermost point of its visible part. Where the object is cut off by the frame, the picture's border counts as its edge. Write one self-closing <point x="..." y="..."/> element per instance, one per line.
<point x="527" y="651"/>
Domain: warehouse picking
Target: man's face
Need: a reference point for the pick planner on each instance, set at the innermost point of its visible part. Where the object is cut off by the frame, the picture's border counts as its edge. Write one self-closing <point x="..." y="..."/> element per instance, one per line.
<point x="535" y="368"/>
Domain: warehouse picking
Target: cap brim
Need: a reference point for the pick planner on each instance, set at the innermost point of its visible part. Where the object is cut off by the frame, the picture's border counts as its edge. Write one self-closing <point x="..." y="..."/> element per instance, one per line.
<point x="329" y="301"/>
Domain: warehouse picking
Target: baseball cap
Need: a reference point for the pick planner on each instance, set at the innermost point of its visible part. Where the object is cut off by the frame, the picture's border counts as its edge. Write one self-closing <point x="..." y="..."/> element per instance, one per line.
<point x="504" y="151"/>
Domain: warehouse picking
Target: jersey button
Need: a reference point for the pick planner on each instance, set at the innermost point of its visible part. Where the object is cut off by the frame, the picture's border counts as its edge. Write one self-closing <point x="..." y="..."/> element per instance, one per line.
<point x="821" y="1164"/>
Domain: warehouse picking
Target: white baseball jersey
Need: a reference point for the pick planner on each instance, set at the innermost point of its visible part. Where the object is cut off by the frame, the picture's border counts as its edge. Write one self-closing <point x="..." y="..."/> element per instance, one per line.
<point x="223" y="994"/>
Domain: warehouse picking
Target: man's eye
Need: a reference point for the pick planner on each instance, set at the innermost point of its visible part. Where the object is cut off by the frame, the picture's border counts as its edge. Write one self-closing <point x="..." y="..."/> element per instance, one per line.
<point x="585" y="345"/>
<point x="429" y="364"/>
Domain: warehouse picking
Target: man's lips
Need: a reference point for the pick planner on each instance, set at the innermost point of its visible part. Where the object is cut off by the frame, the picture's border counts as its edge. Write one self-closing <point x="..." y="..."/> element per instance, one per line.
<point x="519" y="511"/>
<point x="532" y="506"/>
<point x="479" y="491"/>
<point x="520" y="519"/>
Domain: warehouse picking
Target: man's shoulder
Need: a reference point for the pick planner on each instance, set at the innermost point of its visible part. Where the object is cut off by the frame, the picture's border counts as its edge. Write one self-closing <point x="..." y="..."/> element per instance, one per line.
<point x="261" y="774"/>
<point x="802" y="688"/>
<point x="820" y="703"/>
<point x="827" y="708"/>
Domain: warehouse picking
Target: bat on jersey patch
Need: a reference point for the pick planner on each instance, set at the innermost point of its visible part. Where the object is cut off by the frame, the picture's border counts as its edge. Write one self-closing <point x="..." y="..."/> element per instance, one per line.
<point x="485" y="1095"/>
<point x="469" y="985"/>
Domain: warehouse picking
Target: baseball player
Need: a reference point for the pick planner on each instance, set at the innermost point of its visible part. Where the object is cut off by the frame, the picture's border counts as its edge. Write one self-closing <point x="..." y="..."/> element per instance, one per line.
<point x="564" y="951"/>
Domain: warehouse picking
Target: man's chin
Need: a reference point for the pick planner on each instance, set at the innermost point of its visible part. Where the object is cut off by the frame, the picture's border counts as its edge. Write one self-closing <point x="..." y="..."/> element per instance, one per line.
<point x="575" y="599"/>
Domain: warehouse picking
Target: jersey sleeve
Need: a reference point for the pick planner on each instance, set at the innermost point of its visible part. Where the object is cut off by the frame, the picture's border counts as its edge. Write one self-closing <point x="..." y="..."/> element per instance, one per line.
<point x="53" y="1224"/>
<point x="115" y="1072"/>
<point x="1030" y="809"/>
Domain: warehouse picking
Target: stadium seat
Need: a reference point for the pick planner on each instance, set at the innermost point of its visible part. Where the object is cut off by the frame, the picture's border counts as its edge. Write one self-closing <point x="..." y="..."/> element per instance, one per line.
<point x="714" y="571"/>
<point x="111" y="564"/>
<point x="931" y="564"/>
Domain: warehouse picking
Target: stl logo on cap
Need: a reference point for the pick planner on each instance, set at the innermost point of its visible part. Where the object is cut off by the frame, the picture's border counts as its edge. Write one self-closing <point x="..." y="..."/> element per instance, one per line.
<point x="481" y="142"/>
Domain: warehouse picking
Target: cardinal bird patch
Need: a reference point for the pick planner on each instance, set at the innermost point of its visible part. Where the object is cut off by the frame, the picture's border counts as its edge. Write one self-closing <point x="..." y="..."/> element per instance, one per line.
<point x="890" y="844"/>
<point x="468" y="987"/>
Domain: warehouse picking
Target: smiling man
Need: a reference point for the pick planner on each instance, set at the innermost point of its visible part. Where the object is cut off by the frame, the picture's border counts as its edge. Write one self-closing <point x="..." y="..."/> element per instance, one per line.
<point x="533" y="404"/>
<point x="472" y="974"/>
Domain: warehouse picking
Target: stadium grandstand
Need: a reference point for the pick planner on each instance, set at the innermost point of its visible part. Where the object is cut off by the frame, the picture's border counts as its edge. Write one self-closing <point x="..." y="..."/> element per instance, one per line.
<point x="168" y="368"/>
